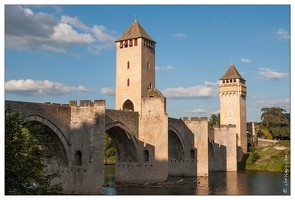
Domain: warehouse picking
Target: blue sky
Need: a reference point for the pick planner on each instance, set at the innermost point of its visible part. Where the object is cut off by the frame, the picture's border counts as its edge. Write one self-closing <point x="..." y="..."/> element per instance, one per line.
<point x="61" y="53"/>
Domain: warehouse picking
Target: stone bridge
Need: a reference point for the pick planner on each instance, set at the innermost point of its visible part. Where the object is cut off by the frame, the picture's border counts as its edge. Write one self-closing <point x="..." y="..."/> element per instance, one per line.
<point x="78" y="136"/>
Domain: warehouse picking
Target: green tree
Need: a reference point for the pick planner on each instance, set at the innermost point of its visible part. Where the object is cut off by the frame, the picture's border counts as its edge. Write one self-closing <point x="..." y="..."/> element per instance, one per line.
<point x="266" y="133"/>
<point x="24" y="157"/>
<point x="214" y="120"/>
<point x="110" y="151"/>
<point x="274" y="120"/>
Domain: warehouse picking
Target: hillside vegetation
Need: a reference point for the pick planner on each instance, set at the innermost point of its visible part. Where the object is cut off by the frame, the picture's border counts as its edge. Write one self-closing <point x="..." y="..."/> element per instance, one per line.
<point x="273" y="158"/>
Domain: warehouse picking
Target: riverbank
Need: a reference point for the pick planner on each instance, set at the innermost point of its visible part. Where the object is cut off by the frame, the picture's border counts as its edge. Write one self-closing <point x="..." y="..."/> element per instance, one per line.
<point x="274" y="157"/>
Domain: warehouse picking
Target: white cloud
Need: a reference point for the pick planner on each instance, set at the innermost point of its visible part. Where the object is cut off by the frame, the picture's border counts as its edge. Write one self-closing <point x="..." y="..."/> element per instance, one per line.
<point x="179" y="35"/>
<point x="167" y="67"/>
<point x="210" y="84"/>
<point x="157" y="68"/>
<point x="282" y="103"/>
<point x="39" y="88"/>
<point x="281" y="33"/>
<point x="245" y="60"/>
<point x="196" y="111"/>
<point x="65" y="34"/>
<point x="108" y="91"/>
<point x="74" y="21"/>
<point x="207" y="90"/>
<point x="26" y="30"/>
<point x="271" y="74"/>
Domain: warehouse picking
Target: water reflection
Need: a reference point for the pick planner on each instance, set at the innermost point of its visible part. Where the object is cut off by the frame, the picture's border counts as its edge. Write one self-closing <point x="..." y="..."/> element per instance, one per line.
<point x="218" y="183"/>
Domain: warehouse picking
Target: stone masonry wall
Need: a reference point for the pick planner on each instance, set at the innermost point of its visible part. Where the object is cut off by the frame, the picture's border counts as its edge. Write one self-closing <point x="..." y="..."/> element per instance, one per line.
<point x="223" y="149"/>
<point x="199" y="126"/>
<point x="85" y="174"/>
<point x="153" y="132"/>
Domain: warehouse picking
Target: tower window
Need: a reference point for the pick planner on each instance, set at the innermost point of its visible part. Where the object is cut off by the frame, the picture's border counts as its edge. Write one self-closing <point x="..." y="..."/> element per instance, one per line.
<point x="135" y="42"/>
<point x="223" y="81"/>
<point x="234" y="80"/>
<point x="128" y="82"/>
<point x="121" y="44"/>
<point x="130" y="43"/>
<point x="126" y="43"/>
<point x="78" y="158"/>
<point x="192" y="154"/>
<point x="148" y="65"/>
<point x="150" y="86"/>
<point x="146" y="155"/>
<point x="128" y="65"/>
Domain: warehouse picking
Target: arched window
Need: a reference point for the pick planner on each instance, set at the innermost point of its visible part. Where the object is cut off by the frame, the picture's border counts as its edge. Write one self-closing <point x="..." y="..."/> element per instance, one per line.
<point x="78" y="158"/>
<point x="146" y="155"/>
<point x="128" y="65"/>
<point x="128" y="105"/>
<point x="128" y="82"/>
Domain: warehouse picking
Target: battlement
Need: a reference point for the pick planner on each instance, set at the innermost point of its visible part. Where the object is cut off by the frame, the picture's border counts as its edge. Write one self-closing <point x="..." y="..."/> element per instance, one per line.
<point x="186" y="119"/>
<point x="87" y="103"/>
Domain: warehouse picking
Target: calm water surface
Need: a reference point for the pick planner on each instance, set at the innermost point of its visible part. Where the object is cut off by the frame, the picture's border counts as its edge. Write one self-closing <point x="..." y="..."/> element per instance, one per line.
<point x="218" y="183"/>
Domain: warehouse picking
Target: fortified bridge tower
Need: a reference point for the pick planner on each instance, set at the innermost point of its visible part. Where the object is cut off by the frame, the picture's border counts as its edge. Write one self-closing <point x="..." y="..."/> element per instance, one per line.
<point x="232" y="92"/>
<point x="135" y="91"/>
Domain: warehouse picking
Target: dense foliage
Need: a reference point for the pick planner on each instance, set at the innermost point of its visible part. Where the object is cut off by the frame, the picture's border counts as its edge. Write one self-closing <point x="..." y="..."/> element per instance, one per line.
<point x="266" y="133"/>
<point x="110" y="151"/>
<point x="24" y="157"/>
<point x="214" y="120"/>
<point x="274" y="120"/>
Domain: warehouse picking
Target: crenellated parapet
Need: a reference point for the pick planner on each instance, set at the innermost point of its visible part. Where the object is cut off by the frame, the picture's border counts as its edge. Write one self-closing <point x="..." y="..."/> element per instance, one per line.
<point x="87" y="103"/>
<point x="186" y="119"/>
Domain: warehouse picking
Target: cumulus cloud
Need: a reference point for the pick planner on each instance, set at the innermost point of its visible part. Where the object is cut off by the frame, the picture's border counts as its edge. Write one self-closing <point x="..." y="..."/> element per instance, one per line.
<point x="26" y="30"/>
<point x="203" y="91"/>
<point x="31" y="87"/>
<point x="271" y="74"/>
<point x="108" y="91"/>
<point x="281" y="33"/>
<point x="179" y="35"/>
<point x="282" y="103"/>
<point x="167" y="67"/>
<point x="196" y="111"/>
<point x="245" y="60"/>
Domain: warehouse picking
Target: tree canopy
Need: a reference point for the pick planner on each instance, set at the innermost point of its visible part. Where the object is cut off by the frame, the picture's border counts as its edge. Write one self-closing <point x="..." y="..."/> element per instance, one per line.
<point x="214" y="120"/>
<point x="274" y="120"/>
<point x="24" y="157"/>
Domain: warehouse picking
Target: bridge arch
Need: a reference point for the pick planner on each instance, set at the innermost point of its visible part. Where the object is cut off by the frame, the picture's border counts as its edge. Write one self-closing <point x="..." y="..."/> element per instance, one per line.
<point x="124" y="140"/>
<point x="57" y="138"/>
<point x="175" y="144"/>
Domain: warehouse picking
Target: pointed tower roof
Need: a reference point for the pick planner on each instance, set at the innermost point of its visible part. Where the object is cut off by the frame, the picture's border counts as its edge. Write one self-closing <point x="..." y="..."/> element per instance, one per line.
<point x="134" y="31"/>
<point x="231" y="73"/>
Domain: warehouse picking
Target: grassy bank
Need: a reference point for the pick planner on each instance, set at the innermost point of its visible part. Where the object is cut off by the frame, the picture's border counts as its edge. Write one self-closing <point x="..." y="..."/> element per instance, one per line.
<point x="273" y="158"/>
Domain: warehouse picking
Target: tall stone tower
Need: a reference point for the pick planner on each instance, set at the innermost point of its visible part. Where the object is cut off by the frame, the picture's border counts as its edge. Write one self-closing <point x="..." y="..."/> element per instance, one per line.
<point x="135" y="68"/>
<point x="232" y="92"/>
<point x="136" y="91"/>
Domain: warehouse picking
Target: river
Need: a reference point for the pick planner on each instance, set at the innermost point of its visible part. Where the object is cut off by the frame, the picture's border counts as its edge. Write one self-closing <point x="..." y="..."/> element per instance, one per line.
<point x="247" y="182"/>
